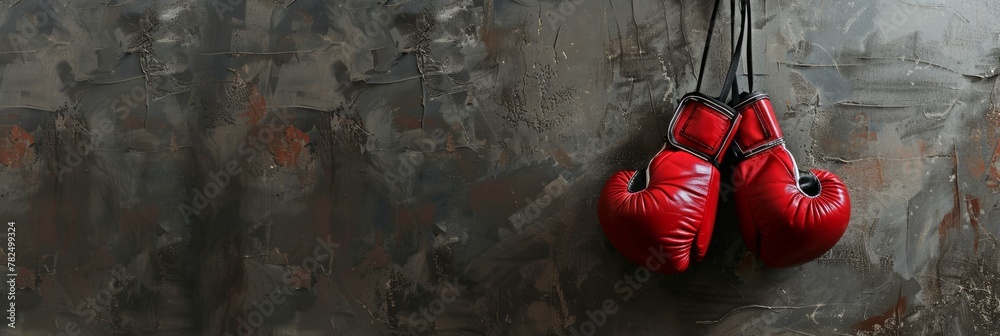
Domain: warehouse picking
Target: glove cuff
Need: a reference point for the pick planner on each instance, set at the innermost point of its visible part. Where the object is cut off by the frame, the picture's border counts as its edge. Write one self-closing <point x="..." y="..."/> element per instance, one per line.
<point x="703" y="126"/>
<point x="759" y="130"/>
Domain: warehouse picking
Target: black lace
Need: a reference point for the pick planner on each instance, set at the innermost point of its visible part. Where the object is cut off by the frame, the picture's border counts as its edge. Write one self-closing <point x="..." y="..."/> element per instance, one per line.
<point x="730" y="81"/>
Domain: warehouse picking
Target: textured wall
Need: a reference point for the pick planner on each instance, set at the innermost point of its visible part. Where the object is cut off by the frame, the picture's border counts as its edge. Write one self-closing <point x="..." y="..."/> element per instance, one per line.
<point x="294" y="167"/>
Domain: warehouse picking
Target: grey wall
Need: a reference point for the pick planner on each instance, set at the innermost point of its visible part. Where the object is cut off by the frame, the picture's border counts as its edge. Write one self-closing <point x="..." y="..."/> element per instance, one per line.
<point x="189" y="167"/>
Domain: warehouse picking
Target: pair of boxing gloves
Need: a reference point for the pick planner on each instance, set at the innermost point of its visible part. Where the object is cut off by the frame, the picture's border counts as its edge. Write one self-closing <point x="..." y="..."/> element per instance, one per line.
<point x="787" y="216"/>
<point x="665" y="214"/>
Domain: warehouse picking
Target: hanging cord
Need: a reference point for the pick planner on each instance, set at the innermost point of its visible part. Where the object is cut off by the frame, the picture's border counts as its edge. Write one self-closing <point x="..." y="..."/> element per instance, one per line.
<point x="708" y="45"/>
<point x="749" y="46"/>
<point x="732" y="42"/>
<point x="734" y="62"/>
<point x="745" y="11"/>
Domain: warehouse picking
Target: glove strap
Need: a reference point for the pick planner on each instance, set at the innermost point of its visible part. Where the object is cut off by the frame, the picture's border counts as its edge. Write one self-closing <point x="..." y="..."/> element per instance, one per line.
<point x="704" y="125"/>
<point x="759" y="130"/>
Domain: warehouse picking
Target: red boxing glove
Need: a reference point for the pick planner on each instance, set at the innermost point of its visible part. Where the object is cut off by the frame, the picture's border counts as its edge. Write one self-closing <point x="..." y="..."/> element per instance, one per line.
<point x="788" y="216"/>
<point x="662" y="217"/>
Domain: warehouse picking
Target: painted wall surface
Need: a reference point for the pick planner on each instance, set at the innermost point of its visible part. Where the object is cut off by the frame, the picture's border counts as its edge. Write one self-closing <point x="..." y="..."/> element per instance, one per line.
<point x="364" y="167"/>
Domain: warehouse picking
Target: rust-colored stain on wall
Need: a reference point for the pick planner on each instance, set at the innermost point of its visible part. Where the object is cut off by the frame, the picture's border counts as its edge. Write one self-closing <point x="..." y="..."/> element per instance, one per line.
<point x="362" y="167"/>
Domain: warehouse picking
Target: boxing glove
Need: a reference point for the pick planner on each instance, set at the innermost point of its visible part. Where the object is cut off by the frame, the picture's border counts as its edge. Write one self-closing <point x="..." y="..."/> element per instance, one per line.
<point x="787" y="216"/>
<point x="662" y="217"/>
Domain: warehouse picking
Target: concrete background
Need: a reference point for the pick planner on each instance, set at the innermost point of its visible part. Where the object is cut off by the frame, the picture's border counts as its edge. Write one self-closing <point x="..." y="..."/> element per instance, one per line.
<point x="295" y="167"/>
